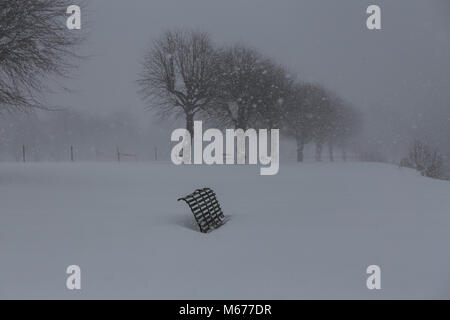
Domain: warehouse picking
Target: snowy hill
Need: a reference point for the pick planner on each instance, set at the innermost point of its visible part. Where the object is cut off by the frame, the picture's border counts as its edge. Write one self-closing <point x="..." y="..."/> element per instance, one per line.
<point x="309" y="232"/>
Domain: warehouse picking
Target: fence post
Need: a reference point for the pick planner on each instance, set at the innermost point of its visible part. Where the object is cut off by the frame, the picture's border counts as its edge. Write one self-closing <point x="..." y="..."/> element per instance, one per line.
<point x="118" y="155"/>
<point x="23" y="154"/>
<point x="72" y="158"/>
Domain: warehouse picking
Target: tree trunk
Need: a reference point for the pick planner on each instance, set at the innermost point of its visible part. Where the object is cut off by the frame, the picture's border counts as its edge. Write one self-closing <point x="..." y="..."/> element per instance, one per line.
<point x="190" y="124"/>
<point x="318" y="152"/>
<point x="242" y="121"/>
<point x="331" y="151"/>
<point x="300" y="148"/>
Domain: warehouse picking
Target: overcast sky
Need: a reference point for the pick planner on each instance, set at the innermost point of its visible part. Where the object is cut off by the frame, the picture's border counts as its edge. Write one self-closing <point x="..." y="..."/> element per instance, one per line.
<point x="403" y="67"/>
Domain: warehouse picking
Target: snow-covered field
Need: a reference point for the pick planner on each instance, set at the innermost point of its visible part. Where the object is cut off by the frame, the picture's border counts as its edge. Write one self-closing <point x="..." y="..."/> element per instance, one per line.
<point x="309" y="232"/>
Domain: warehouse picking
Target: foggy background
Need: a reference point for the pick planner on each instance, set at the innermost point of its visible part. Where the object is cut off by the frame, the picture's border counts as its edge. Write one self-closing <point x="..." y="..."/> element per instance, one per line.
<point x="399" y="76"/>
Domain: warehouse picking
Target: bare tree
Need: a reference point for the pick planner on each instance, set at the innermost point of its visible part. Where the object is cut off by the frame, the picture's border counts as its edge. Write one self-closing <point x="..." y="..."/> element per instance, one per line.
<point x="35" y="47"/>
<point x="252" y="89"/>
<point x="275" y="86"/>
<point x="323" y="116"/>
<point x="347" y="125"/>
<point x="179" y="75"/>
<point x="343" y="122"/>
<point x="297" y="120"/>
<point x="240" y="70"/>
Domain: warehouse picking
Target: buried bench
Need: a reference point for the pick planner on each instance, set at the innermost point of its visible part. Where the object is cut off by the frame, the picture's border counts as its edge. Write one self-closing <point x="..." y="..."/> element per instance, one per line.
<point x="206" y="209"/>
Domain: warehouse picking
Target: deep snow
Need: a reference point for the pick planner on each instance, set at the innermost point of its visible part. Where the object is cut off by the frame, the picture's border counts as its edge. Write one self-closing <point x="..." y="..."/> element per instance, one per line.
<point x="309" y="232"/>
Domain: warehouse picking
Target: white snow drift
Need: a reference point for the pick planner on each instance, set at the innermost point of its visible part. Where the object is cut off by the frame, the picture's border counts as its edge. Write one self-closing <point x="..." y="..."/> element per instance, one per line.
<point x="309" y="232"/>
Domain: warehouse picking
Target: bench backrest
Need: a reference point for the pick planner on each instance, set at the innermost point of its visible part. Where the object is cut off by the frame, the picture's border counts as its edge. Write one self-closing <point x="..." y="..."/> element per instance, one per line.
<point x="206" y="209"/>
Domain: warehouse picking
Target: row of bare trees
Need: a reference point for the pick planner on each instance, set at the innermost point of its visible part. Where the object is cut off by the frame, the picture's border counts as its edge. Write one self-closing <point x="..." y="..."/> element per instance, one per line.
<point x="185" y="74"/>
<point x="314" y="115"/>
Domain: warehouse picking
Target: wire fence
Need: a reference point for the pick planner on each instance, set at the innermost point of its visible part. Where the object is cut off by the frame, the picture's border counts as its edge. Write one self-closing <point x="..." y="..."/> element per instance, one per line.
<point x="73" y="154"/>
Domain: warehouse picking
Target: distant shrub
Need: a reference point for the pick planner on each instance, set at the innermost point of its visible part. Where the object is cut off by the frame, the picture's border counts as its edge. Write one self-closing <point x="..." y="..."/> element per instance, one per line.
<point x="424" y="159"/>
